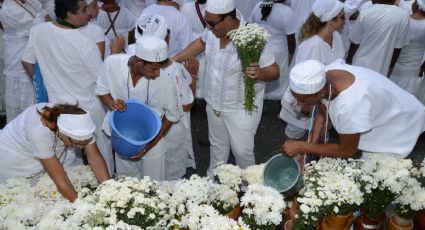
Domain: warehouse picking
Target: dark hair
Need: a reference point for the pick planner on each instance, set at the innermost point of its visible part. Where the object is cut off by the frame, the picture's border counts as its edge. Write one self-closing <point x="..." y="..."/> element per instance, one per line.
<point x="62" y="7"/>
<point x="202" y="1"/>
<point x="52" y="114"/>
<point x="266" y="9"/>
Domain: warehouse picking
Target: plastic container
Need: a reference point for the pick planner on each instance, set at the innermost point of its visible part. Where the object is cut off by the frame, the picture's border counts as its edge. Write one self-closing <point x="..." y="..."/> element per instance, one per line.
<point x="134" y="128"/>
<point x="282" y="173"/>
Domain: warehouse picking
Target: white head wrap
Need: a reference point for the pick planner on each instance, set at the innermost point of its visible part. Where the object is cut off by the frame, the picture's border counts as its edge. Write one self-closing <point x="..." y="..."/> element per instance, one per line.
<point x="307" y="77"/>
<point x="421" y="4"/>
<point x="89" y="2"/>
<point x="325" y="10"/>
<point x="152" y="25"/>
<point x="220" y="6"/>
<point x="76" y="126"/>
<point x="150" y="48"/>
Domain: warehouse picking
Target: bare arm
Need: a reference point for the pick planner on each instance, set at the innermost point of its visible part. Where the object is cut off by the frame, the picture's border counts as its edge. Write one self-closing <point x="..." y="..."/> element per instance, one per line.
<point x="29" y="68"/>
<point x="351" y="52"/>
<point x="56" y="172"/>
<point x="269" y="73"/>
<point x="394" y="58"/>
<point x="96" y="162"/>
<point x="112" y="104"/>
<point x="346" y="147"/>
<point x="195" y="48"/>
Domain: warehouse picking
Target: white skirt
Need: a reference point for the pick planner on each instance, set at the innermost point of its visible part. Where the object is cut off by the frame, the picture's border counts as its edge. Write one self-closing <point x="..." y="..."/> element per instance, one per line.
<point x="410" y="81"/>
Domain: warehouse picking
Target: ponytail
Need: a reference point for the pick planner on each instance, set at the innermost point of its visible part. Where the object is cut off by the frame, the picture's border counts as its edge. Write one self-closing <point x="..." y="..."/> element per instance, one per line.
<point x="311" y="27"/>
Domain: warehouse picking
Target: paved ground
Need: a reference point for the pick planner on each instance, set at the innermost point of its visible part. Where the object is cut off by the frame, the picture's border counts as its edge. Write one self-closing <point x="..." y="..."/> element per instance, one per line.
<point x="267" y="141"/>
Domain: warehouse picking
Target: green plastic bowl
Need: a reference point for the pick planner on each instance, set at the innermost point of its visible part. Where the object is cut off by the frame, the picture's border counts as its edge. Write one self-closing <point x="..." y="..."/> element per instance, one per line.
<point x="281" y="173"/>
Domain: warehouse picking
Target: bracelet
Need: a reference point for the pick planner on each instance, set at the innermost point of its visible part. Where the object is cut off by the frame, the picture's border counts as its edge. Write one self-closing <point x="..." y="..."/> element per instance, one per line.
<point x="195" y="76"/>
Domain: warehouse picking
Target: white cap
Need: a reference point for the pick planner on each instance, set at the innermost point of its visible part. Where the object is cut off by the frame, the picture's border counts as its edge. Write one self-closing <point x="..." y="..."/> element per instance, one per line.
<point x="421" y="4"/>
<point x="325" y="10"/>
<point x="153" y="49"/>
<point x="152" y="24"/>
<point x="307" y="77"/>
<point x="79" y="127"/>
<point x="220" y="6"/>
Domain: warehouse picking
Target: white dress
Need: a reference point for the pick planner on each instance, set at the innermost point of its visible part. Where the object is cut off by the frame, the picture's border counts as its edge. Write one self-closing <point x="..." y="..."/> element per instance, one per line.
<point x="245" y="6"/>
<point x="379" y="29"/>
<point x="406" y="70"/>
<point x="312" y="48"/>
<point x="124" y="23"/>
<point x="69" y="63"/>
<point x="17" y="21"/>
<point x="160" y="94"/>
<point x="178" y="24"/>
<point x="189" y="10"/>
<point x="23" y="142"/>
<point x="179" y="153"/>
<point x="388" y="119"/>
<point x="279" y="24"/>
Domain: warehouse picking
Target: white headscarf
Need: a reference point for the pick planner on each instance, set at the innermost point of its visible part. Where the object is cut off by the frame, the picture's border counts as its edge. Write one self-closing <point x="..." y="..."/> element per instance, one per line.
<point x="79" y="127"/>
<point x="325" y="10"/>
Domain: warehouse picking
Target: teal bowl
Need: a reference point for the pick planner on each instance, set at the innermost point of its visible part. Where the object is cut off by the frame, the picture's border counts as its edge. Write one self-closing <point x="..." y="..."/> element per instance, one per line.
<point x="282" y="173"/>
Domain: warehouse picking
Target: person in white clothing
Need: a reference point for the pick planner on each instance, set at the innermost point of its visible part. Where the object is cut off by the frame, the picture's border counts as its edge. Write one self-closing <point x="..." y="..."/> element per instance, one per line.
<point x="301" y="9"/>
<point x="277" y="18"/>
<point x="245" y="7"/>
<point x="180" y="29"/>
<point x="136" y="7"/>
<point x="378" y="36"/>
<point x="179" y="149"/>
<point x="34" y="143"/>
<point x="138" y="77"/>
<point x="320" y="41"/>
<point x="409" y="64"/>
<point x="91" y="30"/>
<point x="17" y="18"/>
<point x="229" y="125"/>
<point x="116" y="22"/>
<point x="69" y="63"/>
<point x="195" y="12"/>
<point x="369" y="112"/>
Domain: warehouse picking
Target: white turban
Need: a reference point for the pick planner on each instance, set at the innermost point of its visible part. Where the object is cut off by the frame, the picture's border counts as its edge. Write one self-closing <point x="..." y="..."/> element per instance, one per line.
<point x="79" y="127"/>
<point x="421" y="4"/>
<point x="325" y="10"/>
<point x="307" y="77"/>
<point x="152" y="25"/>
<point x="153" y="49"/>
<point x="220" y="6"/>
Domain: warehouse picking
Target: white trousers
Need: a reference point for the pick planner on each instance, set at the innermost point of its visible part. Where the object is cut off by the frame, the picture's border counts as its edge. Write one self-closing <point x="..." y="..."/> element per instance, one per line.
<point x="152" y="164"/>
<point x="235" y="130"/>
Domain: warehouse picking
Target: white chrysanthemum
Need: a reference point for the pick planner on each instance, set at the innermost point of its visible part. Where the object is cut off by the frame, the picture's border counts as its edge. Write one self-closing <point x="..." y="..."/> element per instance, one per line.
<point x="230" y="175"/>
<point x="254" y="174"/>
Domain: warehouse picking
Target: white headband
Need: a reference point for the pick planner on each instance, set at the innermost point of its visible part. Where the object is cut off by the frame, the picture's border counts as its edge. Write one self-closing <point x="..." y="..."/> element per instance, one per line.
<point x="79" y="127"/>
<point x="421" y="4"/>
<point x="325" y="10"/>
<point x="307" y="77"/>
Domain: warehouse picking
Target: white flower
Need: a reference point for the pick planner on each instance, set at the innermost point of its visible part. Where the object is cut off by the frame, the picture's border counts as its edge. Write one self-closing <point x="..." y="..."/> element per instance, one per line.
<point x="254" y="174"/>
<point x="230" y="175"/>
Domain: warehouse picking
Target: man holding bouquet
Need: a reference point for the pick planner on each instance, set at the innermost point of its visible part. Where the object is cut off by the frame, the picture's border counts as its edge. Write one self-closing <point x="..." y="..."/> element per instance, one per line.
<point x="229" y="124"/>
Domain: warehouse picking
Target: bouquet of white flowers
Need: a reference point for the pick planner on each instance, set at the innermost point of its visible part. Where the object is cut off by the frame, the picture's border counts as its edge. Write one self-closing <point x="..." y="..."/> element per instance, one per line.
<point x="262" y="207"/>
<point x="223" y="198"/>
<point x="230" y="175"/>
<point x="250" y="41"/>
<point x="330" y="185"/>
<point x="254" y="174"/>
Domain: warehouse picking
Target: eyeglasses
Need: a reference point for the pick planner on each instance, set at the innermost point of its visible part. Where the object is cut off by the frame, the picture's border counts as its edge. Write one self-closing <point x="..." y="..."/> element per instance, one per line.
<point x="214" y="24"/>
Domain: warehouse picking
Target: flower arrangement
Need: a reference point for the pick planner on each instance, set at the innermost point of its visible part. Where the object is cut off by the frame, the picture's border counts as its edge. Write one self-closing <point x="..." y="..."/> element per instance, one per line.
<point x="254" y="174"/>
<point x="330" y="186"/>
<point x="383" y="179"/>
<point x="223" y="198"/>
<point x="262" y="207"/>
<point x="230" y="175"/>
<point x="250" y="41"/>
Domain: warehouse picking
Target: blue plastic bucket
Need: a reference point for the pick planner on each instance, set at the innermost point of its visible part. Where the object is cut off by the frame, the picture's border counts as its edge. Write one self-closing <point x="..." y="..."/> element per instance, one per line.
<point x="282" y="173"/>
<point x="134" y="128"/>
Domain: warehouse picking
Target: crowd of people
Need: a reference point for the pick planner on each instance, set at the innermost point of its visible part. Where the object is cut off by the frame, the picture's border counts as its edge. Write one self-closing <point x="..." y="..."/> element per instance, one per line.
<point x="354" y="65"/>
